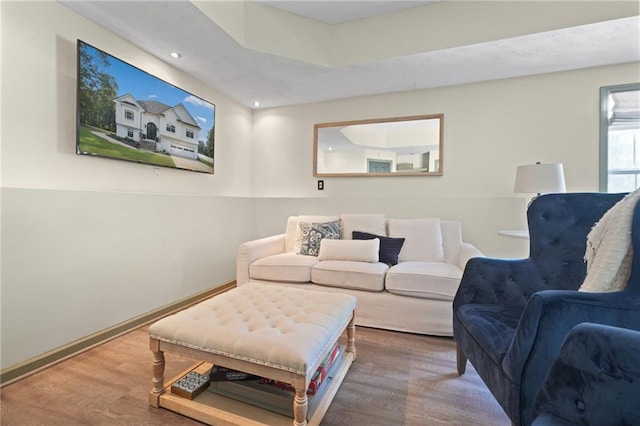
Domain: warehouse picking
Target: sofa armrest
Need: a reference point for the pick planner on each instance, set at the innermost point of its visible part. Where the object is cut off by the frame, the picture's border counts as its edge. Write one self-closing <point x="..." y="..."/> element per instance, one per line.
<point x="594" y="379"/>
<point x="467" y="251"/>
<point x="251" y="251"/>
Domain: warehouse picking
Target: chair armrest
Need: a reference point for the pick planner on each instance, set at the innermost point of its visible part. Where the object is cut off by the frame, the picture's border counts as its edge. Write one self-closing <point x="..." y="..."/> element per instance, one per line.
<point x="492" y="281"/>
<point x="547" y="319"/>
<point x="251" y="251"/>
<point x="467" y="251"/>
<point x="595" y="378"/>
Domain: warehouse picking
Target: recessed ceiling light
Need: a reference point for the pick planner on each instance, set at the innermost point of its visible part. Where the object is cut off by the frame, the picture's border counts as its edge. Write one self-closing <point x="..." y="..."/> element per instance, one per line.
<point x="256" y="103"/>
<point x="175" y="55"/>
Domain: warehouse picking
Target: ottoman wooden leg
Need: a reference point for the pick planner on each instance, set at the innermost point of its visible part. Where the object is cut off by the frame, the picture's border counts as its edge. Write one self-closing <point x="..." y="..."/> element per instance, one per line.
<point x="300" y="404"/>
<point x="158" y="373"/>
<point x="351" y="337"/>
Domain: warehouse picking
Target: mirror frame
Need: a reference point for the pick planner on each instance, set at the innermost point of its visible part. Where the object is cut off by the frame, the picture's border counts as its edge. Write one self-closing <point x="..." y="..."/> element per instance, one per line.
<point x="318" y="126"/>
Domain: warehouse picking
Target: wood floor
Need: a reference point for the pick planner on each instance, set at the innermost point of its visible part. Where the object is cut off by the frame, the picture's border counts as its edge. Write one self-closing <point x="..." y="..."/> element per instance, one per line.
<point x="397" y="379"/>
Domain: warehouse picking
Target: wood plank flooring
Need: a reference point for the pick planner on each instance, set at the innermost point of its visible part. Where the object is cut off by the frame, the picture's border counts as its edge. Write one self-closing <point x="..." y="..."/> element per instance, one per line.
<point x="397" y="379"/>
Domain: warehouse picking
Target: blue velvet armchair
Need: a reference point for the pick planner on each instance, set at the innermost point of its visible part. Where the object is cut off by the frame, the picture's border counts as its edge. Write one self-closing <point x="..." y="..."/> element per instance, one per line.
<point x="595" y="380"/>
<point x="510" y="317"/>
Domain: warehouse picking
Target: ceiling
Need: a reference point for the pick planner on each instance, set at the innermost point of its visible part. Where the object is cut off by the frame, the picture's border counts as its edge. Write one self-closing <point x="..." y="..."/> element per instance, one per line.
<point x="338" y="12"/>
<point x="244" y="67"/>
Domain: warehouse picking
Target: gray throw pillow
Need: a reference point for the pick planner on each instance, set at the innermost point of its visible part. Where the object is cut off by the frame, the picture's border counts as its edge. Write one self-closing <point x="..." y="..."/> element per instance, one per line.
<point x="312" y="233"/>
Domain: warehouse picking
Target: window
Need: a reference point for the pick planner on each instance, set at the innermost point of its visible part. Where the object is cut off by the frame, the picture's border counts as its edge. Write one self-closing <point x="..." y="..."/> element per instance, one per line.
<point x="620" y="138"/>
<point x="171" y="128"/>
<point x="378" y="166"/>
<point x="128" y="114"/>
<point x="190" y="134"/>
<point x="129" y="133"/>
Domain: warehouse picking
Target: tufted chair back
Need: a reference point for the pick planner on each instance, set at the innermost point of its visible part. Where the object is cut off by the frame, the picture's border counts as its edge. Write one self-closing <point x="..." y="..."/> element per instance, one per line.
<point x="558" y="229"/>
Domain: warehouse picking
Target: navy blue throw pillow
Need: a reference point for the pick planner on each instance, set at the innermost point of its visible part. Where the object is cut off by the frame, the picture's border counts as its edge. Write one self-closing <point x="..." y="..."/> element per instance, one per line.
<point x="389" y="247"/>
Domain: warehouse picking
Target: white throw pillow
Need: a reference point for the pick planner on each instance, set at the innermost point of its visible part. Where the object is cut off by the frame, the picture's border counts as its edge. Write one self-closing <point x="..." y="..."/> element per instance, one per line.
<point x="370" y="223"/>
<point x="352" y="250"/>
<point x="309" y="219"/>
<point x="423" y="239"/>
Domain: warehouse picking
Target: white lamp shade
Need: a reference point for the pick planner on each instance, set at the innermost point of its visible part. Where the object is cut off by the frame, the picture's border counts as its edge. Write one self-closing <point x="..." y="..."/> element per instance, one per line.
<point x="540" y="179"/>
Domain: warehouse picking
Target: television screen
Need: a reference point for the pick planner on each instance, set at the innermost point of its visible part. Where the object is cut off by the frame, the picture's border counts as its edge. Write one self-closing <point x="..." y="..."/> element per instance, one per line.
<point x="128" y="114"/>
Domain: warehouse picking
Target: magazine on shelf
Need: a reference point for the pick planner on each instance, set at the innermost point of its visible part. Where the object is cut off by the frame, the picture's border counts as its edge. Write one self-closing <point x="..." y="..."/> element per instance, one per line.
<point x="318" y="377"/>
<point x="271" y="396"/>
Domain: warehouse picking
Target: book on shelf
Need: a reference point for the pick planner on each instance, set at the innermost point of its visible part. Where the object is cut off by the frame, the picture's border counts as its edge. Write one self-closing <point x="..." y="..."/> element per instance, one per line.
<point x="219" y="374"/>
<point x="270" y="396"/>
<point x="318" y="377"/>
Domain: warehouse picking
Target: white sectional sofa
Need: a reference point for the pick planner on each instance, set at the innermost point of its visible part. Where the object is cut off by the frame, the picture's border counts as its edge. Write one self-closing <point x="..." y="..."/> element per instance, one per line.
<point x="414" y="295"/>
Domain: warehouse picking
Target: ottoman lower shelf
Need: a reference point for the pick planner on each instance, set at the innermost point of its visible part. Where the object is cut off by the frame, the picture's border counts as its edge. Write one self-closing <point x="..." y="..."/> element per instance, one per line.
<point x="216" y="409"/>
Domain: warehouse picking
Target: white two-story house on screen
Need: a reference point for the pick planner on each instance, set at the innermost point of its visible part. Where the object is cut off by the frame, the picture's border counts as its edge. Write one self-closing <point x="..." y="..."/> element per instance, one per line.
<point x="157" y="126"/>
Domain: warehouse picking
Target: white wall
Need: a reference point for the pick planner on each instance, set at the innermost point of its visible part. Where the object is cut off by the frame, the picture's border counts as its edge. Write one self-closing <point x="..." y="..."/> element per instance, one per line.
<point x="489" y="129"/>
<point x="76" y="262"/>
<point x="39" y="101"/>
<point x="87" y="242"/>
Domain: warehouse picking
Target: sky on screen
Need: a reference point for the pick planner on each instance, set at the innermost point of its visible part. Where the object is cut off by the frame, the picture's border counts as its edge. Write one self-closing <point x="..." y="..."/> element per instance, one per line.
<point x="145" y="87"/>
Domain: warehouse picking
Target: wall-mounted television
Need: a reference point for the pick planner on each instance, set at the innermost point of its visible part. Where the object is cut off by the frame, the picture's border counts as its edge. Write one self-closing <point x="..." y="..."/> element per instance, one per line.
<point x="128" y="114"/>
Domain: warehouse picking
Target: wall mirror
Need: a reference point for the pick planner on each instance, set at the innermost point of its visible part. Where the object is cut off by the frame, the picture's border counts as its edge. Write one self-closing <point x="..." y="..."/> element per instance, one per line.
<point x="398" y="146"/>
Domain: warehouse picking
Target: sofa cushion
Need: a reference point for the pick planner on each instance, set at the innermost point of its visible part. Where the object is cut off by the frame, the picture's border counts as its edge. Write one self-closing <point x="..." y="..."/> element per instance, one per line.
<point x="347" y="274"/>
<point x="371" y="223"/>
<point x="451" y="240"/>
<point x="428" y="280"/>
<point x="357" y="251"/>
<point x="290" y="234"/>
<point x="288" y="267"/>
<point x="423" y="239"/>
<point x="311" y="234"/>
<point x="389" y="247"/>
<point x="297" y="239"/>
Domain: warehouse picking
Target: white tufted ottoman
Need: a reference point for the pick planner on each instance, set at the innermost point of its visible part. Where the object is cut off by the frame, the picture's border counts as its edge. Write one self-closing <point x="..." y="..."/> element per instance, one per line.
<point x="279" y="333"/>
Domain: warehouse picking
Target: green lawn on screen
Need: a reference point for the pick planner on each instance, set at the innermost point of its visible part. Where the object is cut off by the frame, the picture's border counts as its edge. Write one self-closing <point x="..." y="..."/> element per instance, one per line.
<point x="97" y="145"/>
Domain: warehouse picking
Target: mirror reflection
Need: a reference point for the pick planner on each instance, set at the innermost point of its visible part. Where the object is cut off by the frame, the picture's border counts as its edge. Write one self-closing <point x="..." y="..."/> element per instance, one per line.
<point x="398" y="146"/>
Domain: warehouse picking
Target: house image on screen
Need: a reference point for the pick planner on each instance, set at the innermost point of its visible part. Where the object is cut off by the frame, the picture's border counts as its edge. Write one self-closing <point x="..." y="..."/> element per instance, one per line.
<point x="156" y="126"/>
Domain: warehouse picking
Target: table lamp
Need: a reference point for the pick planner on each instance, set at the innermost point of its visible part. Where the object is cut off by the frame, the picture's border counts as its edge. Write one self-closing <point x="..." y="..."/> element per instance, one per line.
<point x="540" y="179"/>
